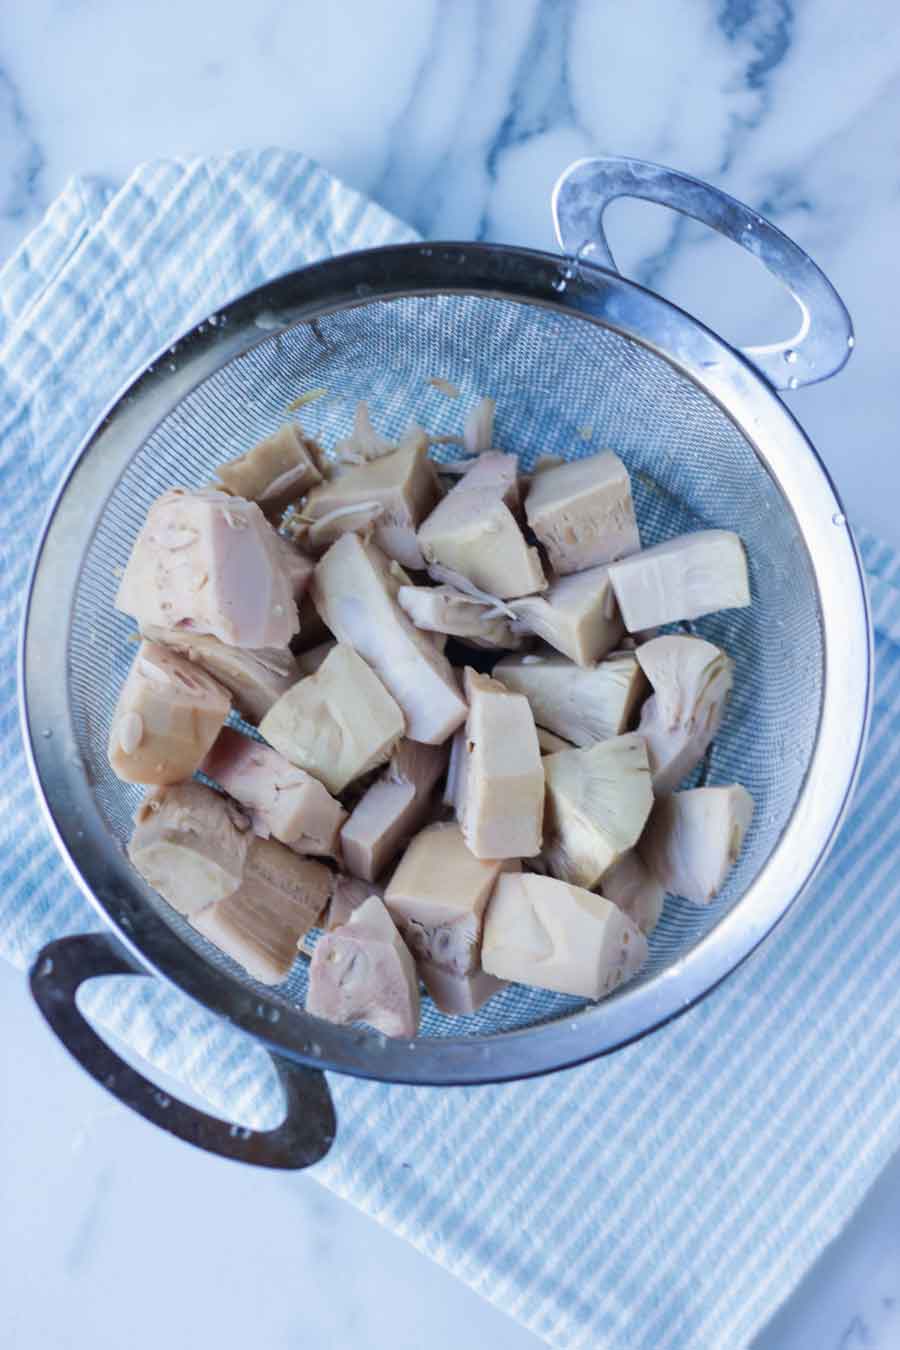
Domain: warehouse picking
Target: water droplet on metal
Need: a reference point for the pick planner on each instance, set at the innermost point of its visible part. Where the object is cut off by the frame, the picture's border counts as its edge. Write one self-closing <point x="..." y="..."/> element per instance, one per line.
<point x="559" y="285"/>
<point x="790" y="356"/>
<point x="793" y="382"/>
<point x="46" y="733"/>
<point x="851" y="341"/>
<point x="267" y="320"/>
<point x="46" y="966"/>
<point x="162" y="1100"/>
<point x="839" y="518"/>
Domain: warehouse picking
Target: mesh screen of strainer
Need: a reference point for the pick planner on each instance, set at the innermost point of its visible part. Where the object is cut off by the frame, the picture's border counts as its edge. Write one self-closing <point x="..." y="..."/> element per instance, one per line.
<point x="563" y="386"/>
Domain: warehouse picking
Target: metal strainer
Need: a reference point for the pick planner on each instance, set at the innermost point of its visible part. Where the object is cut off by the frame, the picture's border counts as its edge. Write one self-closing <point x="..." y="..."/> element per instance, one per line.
<point x="578" y="359"/>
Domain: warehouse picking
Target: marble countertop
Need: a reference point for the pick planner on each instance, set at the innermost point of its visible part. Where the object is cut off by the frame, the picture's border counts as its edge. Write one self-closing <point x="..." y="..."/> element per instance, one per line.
<point x="458" y="116"/>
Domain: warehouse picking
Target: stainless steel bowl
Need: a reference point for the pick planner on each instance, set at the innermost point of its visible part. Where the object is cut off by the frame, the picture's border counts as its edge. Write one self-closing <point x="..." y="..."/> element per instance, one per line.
<point x="578" y="357"/>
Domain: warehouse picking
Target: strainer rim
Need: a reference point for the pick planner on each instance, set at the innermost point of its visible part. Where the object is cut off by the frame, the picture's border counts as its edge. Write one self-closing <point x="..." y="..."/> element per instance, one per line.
<point x="525" y="276"/>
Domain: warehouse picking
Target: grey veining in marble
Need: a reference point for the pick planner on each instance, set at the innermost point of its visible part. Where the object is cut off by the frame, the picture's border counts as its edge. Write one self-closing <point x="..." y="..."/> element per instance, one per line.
<point x="459" y="114"/>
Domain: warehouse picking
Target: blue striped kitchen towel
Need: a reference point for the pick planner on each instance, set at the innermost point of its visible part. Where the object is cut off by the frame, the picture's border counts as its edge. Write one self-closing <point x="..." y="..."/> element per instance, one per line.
<point x="670" y="1196"/>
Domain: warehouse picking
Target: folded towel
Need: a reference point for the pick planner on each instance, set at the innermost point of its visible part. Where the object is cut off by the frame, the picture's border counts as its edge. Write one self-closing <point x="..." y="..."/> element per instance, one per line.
<point x="671" y="1195"/>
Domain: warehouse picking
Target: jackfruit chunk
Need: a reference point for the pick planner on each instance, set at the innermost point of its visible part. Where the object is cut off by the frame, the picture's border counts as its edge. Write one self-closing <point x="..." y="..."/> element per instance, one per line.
<point x="212" y="563"/>
<point x="691" y="681"/>
<point x="583" y="705"/>
<point x="279" y="899"/>
<point x="598" y="801"/>
<point x="190" y="844"/>
<point x="474" y="532"/>
<point x="503" y="806"/>
<point x="582" y="512"/>
<point x="167" y="716"/>
<point x="276" y="471"/>
<point x="694" y="838"/>
<point x="578" y="616"/>
<point x="363" y="972"/>
<point x="683" y="578"/>
<point x="336" y="724"/>
<point x="355" y="591"/>
<point x="392" y="809"/>
<point x="437" y="897"/>
<point x="557" y="936"/>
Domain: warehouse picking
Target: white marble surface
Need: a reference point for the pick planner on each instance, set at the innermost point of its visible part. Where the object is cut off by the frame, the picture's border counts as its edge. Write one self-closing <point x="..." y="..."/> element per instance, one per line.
<point x="115" y="1235"/>
<point x="457" y="114"/>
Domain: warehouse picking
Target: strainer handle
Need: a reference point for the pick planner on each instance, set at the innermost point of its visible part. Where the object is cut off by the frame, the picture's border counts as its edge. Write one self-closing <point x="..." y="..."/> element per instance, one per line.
<point x="303" y="1137"/>
<point x="825" y="339"/>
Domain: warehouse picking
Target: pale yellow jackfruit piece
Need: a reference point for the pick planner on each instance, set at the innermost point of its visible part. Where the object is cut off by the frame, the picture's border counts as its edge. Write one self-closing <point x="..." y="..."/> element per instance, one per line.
<point x="683" y="578"/>
<point x="455" y="993"/>
<point x="213" y="563"/>
<point x="691" y="681"/>
<point x="437" y="897"/>
<point x="255" y="679"/>
<point x="275" y="472"/>
<point x="578" y="616"/>
<point x="583" y="705"/>
<point x="442" y="609"/>
<point x="190" y="844"/>
<point x="582" y="512"/>
<point x="547" y="933"/>
<point x="338" y="723"/>
<point x="392" y="809"/>
<point x="355" y="590"/>
<point x="503" y="807"/>
<point x="631" y="885"/>
<point x="280" y="799"/>
<point x="167" y="716"/>
<point x="279" y="899"/>
<point x="363" y="972"/>
<point x="392" y="495"/>
<point x="474" y="532"/>
<point x="694" y="838"/>
<point x="597" y="804"/>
